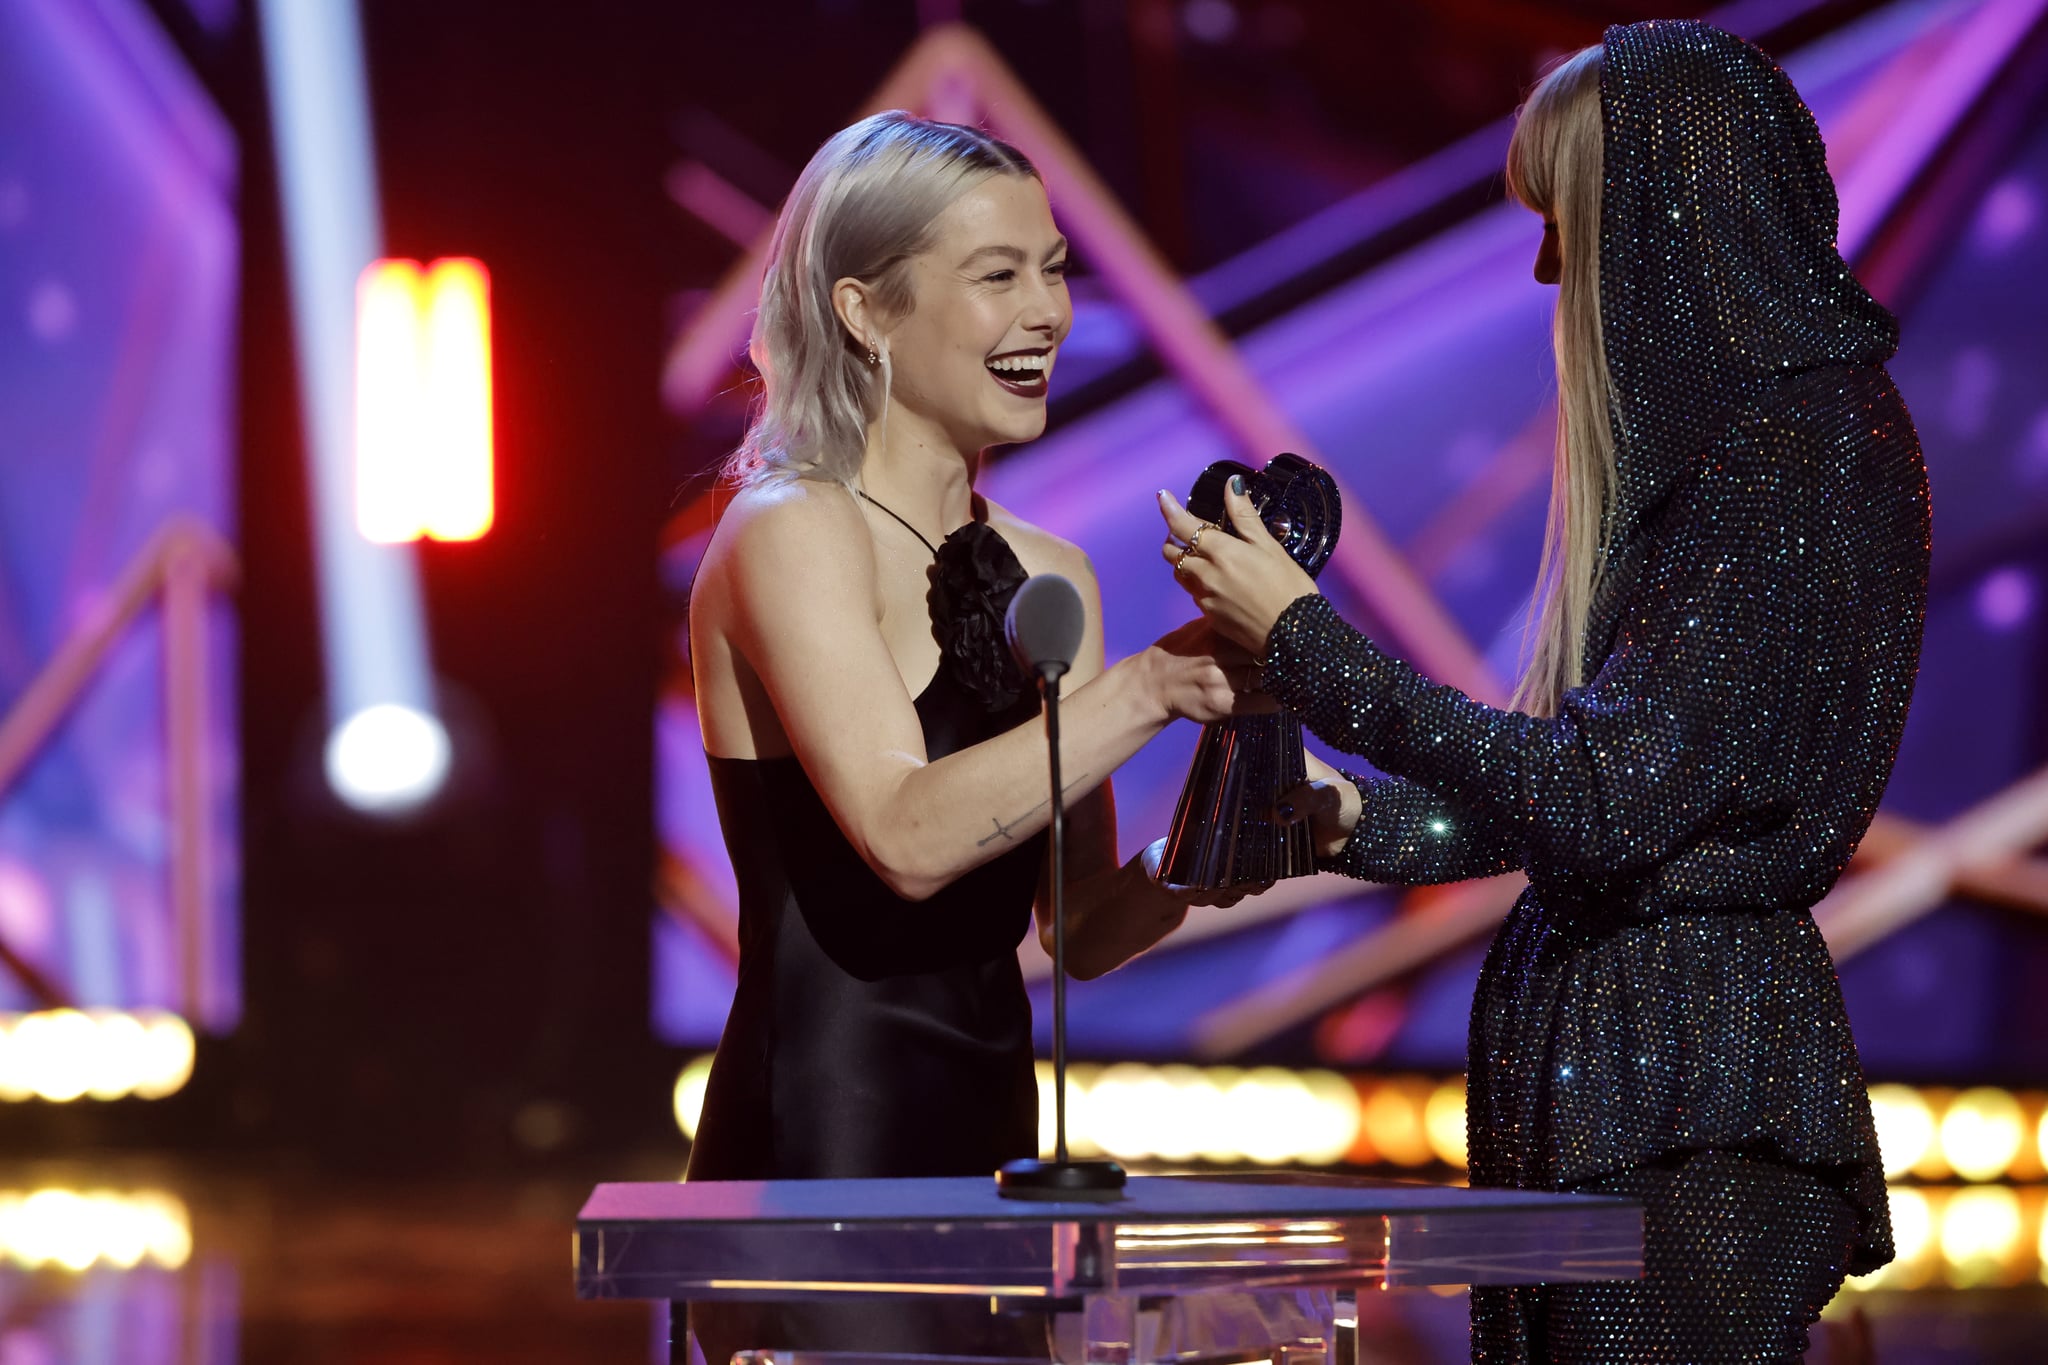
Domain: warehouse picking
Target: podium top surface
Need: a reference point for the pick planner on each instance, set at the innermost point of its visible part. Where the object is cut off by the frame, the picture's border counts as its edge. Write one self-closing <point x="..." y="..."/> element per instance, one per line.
<point x="974" y="1200"/>
<point x="1171" y="1235"/>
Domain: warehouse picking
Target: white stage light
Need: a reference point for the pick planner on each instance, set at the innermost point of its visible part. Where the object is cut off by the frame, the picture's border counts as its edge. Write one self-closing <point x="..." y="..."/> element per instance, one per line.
<point x="387" y="759"/>
<point x="372" y="626"/>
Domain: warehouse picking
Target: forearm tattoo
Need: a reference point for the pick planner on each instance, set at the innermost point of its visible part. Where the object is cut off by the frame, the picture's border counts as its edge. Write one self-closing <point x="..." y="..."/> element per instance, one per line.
<point x="1007" y="832"/>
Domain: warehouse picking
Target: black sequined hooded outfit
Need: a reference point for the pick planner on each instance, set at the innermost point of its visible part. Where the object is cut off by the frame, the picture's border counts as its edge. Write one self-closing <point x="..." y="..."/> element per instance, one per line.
<point x="1659" y="1015"/>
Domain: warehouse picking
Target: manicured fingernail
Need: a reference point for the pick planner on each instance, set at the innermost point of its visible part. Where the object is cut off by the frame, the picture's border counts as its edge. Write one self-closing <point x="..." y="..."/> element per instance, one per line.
<point x="1286" y="810"/>
<point x="1237" y="484"/>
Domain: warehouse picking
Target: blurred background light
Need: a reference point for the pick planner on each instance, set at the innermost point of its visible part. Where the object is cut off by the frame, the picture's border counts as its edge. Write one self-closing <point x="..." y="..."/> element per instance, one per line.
<point x="1443" y="1121"/>
<point x="1116" y="1115"/>
<point x="1981" y="1133"/>
<point x="1905" y="1127"/>
<point x="1914" y="1262"/>
<point x="1269" y="1103"/>
<point x="1393" y="1122"/>
<point x="1912" y="1223"/>
<point x="1980" y="1232"/>
<point x="1932" y="1163"/>
<point x="1329" y="1119"/>
<point x="689" y="1095"/>
<point x="390" y="440"/>
<point x="2041" y="1244"/>
<point x="58" y="1229"/>
<point x="388" y="758"/>
<point x="423" y="401"/>
<point x="65" y="1055"/>
<point x="1198" y="1107"/>
<point x="2005" y="599"/>
<point x="1225" y="1115"/>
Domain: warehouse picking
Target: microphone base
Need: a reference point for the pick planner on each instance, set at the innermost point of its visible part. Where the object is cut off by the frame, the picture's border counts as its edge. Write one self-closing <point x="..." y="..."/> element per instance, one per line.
<point x="1060" y="1181"/>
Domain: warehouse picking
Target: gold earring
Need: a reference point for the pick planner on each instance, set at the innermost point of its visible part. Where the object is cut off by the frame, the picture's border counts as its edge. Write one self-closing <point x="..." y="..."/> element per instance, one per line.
<point x="874" y="357"/>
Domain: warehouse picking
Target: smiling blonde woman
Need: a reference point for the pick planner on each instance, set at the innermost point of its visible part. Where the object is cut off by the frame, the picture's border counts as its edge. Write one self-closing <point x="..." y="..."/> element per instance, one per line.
<point x="875" y="752"/>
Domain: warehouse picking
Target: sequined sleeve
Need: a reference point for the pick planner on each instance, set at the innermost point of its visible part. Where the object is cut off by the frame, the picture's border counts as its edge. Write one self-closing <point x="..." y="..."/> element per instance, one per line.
<point x="1683" y="723"/>
<point x="1408" y="835"/>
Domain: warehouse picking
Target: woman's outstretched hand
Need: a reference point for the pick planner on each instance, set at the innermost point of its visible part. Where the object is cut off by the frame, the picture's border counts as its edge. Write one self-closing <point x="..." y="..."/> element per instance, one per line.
<point x="1241" y="582"/>
<point x="1199" y="674"/>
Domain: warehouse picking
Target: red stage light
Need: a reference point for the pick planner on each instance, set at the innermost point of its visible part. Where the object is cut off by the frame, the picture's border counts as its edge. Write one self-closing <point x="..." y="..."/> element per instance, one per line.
<point x="423" y="401"/>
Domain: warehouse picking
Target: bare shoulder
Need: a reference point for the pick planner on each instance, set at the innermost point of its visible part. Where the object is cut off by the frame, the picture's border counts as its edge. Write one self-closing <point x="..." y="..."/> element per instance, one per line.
<point x="787" y="526"/>
<point x="1039" y="550"/>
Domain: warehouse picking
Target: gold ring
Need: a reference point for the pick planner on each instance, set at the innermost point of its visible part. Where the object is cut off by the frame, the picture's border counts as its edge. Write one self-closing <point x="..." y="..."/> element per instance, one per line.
<point x="1181" y="563"/>
<point x="1195" y="540"/>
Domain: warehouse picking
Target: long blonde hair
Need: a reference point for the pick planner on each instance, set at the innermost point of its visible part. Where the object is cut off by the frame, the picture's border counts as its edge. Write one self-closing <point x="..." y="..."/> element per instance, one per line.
<point x="1555" y="167"/>
<point x="862" y="208"/>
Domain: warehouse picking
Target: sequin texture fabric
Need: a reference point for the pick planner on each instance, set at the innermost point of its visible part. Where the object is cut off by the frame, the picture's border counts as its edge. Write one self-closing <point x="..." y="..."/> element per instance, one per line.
<point x="1661" y="991"/>
<point x="1747" y="1247"/>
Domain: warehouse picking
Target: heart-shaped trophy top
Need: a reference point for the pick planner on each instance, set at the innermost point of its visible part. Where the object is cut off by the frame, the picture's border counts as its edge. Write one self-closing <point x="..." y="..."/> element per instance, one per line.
<point x="1297" y="500"/>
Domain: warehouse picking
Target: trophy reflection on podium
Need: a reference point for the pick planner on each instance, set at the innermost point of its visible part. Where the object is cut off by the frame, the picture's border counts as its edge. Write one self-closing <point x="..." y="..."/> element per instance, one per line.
<point x="1225" y="832"/>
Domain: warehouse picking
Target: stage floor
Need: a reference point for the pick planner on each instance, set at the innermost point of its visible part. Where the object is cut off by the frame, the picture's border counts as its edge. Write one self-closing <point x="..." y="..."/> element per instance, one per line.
<point x="250" y="1262"/>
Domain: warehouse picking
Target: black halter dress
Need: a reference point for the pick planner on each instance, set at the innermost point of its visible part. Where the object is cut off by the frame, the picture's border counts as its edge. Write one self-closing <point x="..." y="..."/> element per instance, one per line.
<point x="870" y="1035"/>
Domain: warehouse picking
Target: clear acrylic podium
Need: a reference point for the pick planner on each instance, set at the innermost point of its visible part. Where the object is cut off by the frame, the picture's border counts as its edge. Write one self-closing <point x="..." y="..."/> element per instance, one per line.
<point x="1184" y="1268"/>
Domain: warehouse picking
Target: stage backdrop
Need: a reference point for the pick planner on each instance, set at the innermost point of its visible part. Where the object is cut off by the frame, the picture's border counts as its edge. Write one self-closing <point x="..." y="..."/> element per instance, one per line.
<point x="118" y="278"/>
<point x="1426" y="382"/>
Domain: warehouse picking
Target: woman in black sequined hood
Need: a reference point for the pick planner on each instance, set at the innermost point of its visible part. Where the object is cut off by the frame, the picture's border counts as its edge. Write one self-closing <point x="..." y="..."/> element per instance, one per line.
<point x="1732" y="598"/>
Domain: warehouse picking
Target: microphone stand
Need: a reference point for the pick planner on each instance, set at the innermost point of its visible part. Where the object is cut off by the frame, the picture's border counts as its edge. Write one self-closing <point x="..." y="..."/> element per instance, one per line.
<point x="1061" y="1178"/>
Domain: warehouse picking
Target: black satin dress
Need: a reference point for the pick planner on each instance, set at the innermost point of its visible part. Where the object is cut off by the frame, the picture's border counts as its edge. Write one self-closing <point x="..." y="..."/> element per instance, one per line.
<point x="870" y="1035"/>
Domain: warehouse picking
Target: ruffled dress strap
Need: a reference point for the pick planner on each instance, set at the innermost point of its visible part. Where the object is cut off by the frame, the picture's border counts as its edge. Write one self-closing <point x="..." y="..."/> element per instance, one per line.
<point x="974" y="575"/>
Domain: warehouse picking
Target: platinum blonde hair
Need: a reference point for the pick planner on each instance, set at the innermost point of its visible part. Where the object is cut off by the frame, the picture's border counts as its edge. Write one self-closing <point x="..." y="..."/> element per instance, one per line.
<point x="1555" y="167"/>
<point x="863" y="207"/>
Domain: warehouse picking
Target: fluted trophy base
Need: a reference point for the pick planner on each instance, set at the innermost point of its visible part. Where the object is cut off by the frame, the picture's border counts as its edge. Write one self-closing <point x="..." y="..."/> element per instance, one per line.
<point x="1225" y="830"/>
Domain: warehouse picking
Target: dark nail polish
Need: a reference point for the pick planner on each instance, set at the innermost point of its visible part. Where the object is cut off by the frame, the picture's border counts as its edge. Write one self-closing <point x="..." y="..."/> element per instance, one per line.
<point x="1237" y="484"/>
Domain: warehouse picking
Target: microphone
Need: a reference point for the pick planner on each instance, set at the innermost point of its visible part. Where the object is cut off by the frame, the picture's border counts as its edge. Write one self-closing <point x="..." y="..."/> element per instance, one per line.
<point x="1044" y="625"/>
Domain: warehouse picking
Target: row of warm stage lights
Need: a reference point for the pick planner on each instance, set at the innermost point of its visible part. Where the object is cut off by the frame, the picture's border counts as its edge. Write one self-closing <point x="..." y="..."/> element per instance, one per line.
<point x="1965" y="1237"/>
<point x="1972" y="1235"/>
<point x="1227" y="1115"/>
<point x="1976" y="1234"/>
<point x="64" y="1055"/>
<point x="1272" y="1116"/>
<point x="58" y="1229"/>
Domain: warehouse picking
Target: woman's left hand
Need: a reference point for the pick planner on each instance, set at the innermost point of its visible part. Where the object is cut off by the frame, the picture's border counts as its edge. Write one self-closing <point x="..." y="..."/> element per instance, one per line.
<point x="1222" y="897"/>
<point x="1241" y="582"/>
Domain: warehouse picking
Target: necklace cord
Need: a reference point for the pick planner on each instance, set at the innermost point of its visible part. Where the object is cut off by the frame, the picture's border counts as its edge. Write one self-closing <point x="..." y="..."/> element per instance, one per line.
<point x="861" y="493"/>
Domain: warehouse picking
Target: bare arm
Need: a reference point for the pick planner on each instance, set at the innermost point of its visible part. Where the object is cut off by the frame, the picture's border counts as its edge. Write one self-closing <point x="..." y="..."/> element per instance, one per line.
<point x="1114" y="911"/>
<point x="799" y="575"/>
